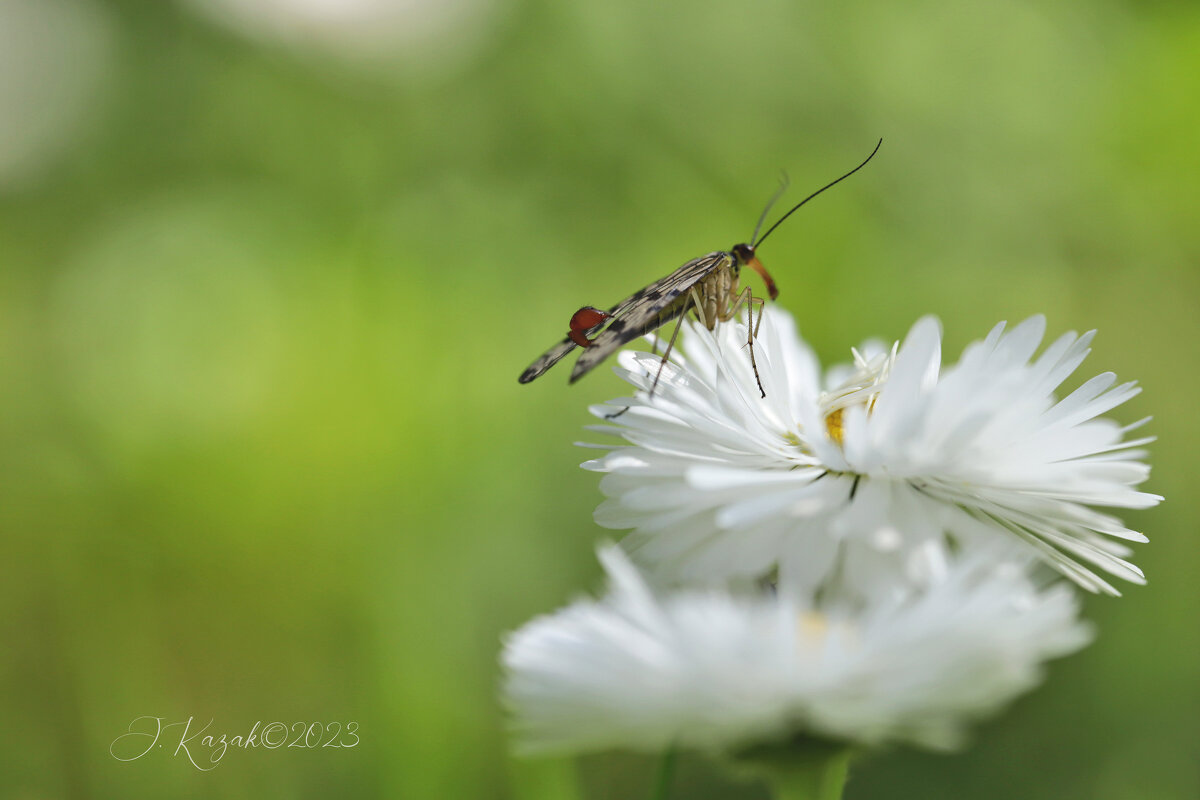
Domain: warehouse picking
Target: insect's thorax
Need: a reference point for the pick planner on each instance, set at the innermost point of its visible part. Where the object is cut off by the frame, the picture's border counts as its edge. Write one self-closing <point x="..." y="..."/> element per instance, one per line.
<point x="715" y="292"/>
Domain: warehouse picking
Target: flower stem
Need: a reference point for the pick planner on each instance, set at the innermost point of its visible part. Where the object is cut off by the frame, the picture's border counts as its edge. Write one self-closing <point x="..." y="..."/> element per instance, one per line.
<point x="811" y="776"/>
<point x="666" y="771"/>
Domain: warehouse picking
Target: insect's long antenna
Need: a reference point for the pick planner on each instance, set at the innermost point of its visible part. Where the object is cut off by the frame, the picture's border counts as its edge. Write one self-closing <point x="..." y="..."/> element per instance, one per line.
<point x="757" y="242"/>
<point x="783" y="185"/>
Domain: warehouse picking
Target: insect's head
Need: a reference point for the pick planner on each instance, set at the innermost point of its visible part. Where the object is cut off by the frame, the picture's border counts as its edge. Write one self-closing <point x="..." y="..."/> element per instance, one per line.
<point x="743" y="255"/>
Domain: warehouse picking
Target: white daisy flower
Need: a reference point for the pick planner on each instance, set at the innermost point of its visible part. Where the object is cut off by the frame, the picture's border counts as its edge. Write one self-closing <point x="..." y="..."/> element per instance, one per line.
<point x="718" y="672"/>
<point x="892" y="465"/>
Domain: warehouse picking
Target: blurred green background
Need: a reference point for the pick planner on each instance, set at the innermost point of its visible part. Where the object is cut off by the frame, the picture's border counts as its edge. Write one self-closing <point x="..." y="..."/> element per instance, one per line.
<point x="269" y="270"/>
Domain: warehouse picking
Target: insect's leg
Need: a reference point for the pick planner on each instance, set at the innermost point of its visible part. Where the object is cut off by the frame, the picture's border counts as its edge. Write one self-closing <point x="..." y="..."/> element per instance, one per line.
<point x="655" y="341"/>
<point x="693" y="303"/>
<point x="616" y="414"/>
<point x="667" y="353"/>
<point x="697" y="304"/>
<point x="762" y="306"/>
<point x="665" y="356"/>
<point x="746" y="297"/>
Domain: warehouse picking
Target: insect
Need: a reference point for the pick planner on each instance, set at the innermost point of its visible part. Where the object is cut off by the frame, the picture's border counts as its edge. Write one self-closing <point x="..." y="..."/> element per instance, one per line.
<point x="706" y="286"/>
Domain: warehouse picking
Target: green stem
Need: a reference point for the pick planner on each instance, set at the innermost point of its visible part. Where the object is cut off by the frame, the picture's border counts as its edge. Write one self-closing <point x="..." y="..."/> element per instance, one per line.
<point x="812" y="776"/>
<point x="666" y="771"/>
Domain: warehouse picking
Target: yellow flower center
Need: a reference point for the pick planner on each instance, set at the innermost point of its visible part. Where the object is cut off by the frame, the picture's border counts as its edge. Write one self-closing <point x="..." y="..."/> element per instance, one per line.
<point x="833" y="425"/>
<point x="860" y="388"/>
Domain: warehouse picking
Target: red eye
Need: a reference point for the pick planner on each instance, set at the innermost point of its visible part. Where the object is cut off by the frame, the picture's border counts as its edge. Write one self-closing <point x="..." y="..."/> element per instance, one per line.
<point x="586" y="318"/>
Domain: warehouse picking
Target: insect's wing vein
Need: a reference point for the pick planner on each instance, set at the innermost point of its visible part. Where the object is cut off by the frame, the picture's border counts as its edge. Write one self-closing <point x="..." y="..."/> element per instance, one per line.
<point x="555" y="354"/>
<point x="547" y="360"/>
<point x="643" y="311"/>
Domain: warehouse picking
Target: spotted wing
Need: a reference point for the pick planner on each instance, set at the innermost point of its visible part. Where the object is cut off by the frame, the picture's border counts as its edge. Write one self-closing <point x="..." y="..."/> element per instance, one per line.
<point x="547" y="360"/>
<point x="646" y="310"/>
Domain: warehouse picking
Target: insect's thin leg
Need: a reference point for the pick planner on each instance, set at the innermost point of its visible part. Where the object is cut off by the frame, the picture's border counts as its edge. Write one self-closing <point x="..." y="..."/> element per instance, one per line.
<point x="762" y="304"/>
<point x="616" y="414"/>
<point x="746" y="297"/>
<point x="692" y="303"/>
<point x="663" y="361"/>
<point x="655" y="341"/>
<point x="667" y="353"/>
<point x="697" y="305"/>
